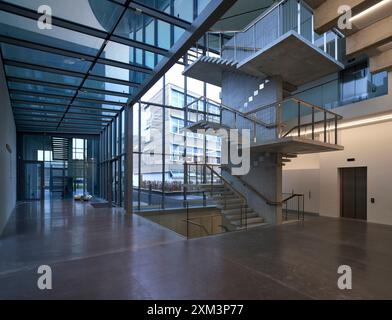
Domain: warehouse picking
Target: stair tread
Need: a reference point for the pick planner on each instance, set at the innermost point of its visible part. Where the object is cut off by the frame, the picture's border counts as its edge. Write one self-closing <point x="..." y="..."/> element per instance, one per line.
<point x="252" y="225"/>
<point x="249" y="221"/>
<point x="237" y="217"/>
<point x="236" y="211"/>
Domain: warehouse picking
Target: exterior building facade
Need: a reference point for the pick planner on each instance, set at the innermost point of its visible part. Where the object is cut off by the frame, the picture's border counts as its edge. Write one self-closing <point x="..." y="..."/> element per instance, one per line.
<point x="197" y="146"/>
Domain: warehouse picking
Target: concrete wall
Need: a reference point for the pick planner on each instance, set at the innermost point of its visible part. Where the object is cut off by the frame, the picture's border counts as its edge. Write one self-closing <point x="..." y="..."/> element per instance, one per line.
<point x="7" y="158"/>
<point x="266" y="177"/>
<point x="265" y="173"/>
<point x="370" y="146"/>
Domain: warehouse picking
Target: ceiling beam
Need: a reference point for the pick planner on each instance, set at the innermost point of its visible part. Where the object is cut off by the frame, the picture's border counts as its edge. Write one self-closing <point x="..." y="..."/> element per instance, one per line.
<point x="28" y="110"/>
<point x="69" y="73"/>
<point x="50" y="104"/>
<point x="34" y="15"/>
<point x="370" y="37"/>
<point x="326" y="15"/>
<point x="57" y="96"/>
<point x="73" y="54"/>
<point x="209" y="15"/>
<point x="160" y="15"/>
<point x="381" y="62"/>
<point x="67" y="86"/>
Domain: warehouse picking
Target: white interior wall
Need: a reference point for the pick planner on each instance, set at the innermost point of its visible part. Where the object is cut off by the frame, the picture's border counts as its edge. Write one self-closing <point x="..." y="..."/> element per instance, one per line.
<point x="370" y="146"/>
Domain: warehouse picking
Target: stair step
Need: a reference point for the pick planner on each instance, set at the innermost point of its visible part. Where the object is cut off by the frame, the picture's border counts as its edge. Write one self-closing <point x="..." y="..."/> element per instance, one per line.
<point x="229" y="206"/>
<point x="237" y="211"/>
<point x="218" y="197"/>
<point x="249" y="221"/>
<point x="229" y="201"/>
<point x="235" y="217"/>
<point x="252" y="225"/>
<point x="289" y="155"/>
<point x="225" y="192"/>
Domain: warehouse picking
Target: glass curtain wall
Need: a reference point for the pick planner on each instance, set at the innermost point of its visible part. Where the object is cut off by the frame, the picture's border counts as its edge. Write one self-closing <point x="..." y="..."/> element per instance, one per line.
<point x="75" y="174"/>
<point x="351" y="85"/>
<point x="160" y="144"/>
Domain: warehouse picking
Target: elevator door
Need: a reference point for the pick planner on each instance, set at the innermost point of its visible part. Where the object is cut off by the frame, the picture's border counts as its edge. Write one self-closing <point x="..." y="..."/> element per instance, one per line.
<point x="353" y="189"/>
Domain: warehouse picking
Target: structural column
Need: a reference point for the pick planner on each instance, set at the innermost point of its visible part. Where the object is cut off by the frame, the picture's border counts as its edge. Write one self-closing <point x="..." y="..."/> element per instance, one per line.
<point x="128" y="170"/>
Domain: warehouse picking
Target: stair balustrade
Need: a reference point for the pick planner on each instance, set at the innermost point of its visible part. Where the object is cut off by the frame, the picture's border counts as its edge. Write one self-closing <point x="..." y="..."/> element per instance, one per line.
<point x="290" y="117"/>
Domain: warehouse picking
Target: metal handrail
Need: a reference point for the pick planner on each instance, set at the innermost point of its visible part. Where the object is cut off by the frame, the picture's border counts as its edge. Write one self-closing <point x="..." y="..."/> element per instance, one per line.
<point x="227" y="183"/>
<point x="264" y="14"/>
<point x="276" y="8"/>
<point x="197" y="224"/>
<point x="278" y="103"/>
<point x="304" y="103"/>
<point x="243" y="200"/>
<point x="305" y="125"/>
<point x="228" y="108"/>
<point x="265" y="198"/>
<point x="268" y="201"/>
<point x="298" y="195"/>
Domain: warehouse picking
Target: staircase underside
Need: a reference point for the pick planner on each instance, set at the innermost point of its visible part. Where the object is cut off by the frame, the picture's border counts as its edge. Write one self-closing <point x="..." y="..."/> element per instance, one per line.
<point x="205" y="125"/>
<point x="295" y="145"/>
<point x="210" y="70"/>
<point x="293" y="58"/>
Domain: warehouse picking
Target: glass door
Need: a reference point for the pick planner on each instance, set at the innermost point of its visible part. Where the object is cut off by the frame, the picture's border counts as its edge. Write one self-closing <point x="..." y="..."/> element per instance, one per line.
<point x="34" y="181"/>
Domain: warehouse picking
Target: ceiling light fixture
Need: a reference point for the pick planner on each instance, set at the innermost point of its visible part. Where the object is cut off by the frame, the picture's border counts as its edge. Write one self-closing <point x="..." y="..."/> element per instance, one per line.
<point x="368" y="10"/>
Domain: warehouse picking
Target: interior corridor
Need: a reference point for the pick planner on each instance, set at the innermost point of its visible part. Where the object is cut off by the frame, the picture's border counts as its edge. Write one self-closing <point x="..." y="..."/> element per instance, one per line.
<point x="104" y="254"/>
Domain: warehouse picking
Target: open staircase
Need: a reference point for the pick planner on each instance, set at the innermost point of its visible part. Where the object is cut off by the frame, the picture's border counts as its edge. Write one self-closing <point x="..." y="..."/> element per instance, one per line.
<point x="235" y="211"/>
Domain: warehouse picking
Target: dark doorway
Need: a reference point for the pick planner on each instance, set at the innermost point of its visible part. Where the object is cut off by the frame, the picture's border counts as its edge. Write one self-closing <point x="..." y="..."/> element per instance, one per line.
<point x="353" y="193"/>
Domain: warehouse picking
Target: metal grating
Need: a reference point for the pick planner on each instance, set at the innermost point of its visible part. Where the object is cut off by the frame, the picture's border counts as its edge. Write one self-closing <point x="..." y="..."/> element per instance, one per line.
<point x="60" y="148"/>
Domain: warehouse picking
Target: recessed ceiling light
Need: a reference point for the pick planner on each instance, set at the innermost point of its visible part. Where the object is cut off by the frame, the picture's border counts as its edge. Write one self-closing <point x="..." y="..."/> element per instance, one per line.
<point x="369" y="10"/>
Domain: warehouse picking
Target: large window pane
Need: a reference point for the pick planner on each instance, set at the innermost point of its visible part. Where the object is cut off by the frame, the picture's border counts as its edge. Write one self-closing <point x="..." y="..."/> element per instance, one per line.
<point x="18" y="72"/>
<point x="24" y="28"/>
<point x="97" y="14"/>
<point x="43" y="58"/>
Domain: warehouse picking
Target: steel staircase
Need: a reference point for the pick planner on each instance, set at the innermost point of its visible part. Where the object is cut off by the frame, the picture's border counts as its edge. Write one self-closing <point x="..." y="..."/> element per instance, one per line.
<point x="233" y="205"/>
<point x="234" y="210"/>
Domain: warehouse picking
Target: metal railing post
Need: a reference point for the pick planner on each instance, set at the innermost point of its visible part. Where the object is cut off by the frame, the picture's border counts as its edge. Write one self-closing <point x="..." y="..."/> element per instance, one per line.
<point x="185" y="181"/>
<point x="286" y="209"/>
<point x="254" y="128"/>
<point x="241" y="217"/>
<point x="235" y="47"/>
<point x="336" y="129"/>
<point x="187" y="220"/>
<point x="325" y="126"/>
<point x="212" y="184"/>
<point x="299" y="118"/>
<point x="312" y="123"/>
<point x="254" y="37"/>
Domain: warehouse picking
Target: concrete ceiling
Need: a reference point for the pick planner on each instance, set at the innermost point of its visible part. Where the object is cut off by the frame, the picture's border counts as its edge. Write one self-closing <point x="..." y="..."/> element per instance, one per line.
<point x="241" y="14"/>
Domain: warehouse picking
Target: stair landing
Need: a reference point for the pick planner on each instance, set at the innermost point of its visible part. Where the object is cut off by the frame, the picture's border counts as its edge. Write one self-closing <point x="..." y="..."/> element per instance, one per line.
<point x="210" y="70"/>
<point x="205" y="125"/>
<point x="295" y="145"/>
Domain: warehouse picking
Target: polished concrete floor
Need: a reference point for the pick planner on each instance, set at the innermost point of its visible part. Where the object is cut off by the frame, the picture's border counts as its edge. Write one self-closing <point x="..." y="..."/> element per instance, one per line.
<point x="102" y="254"/>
